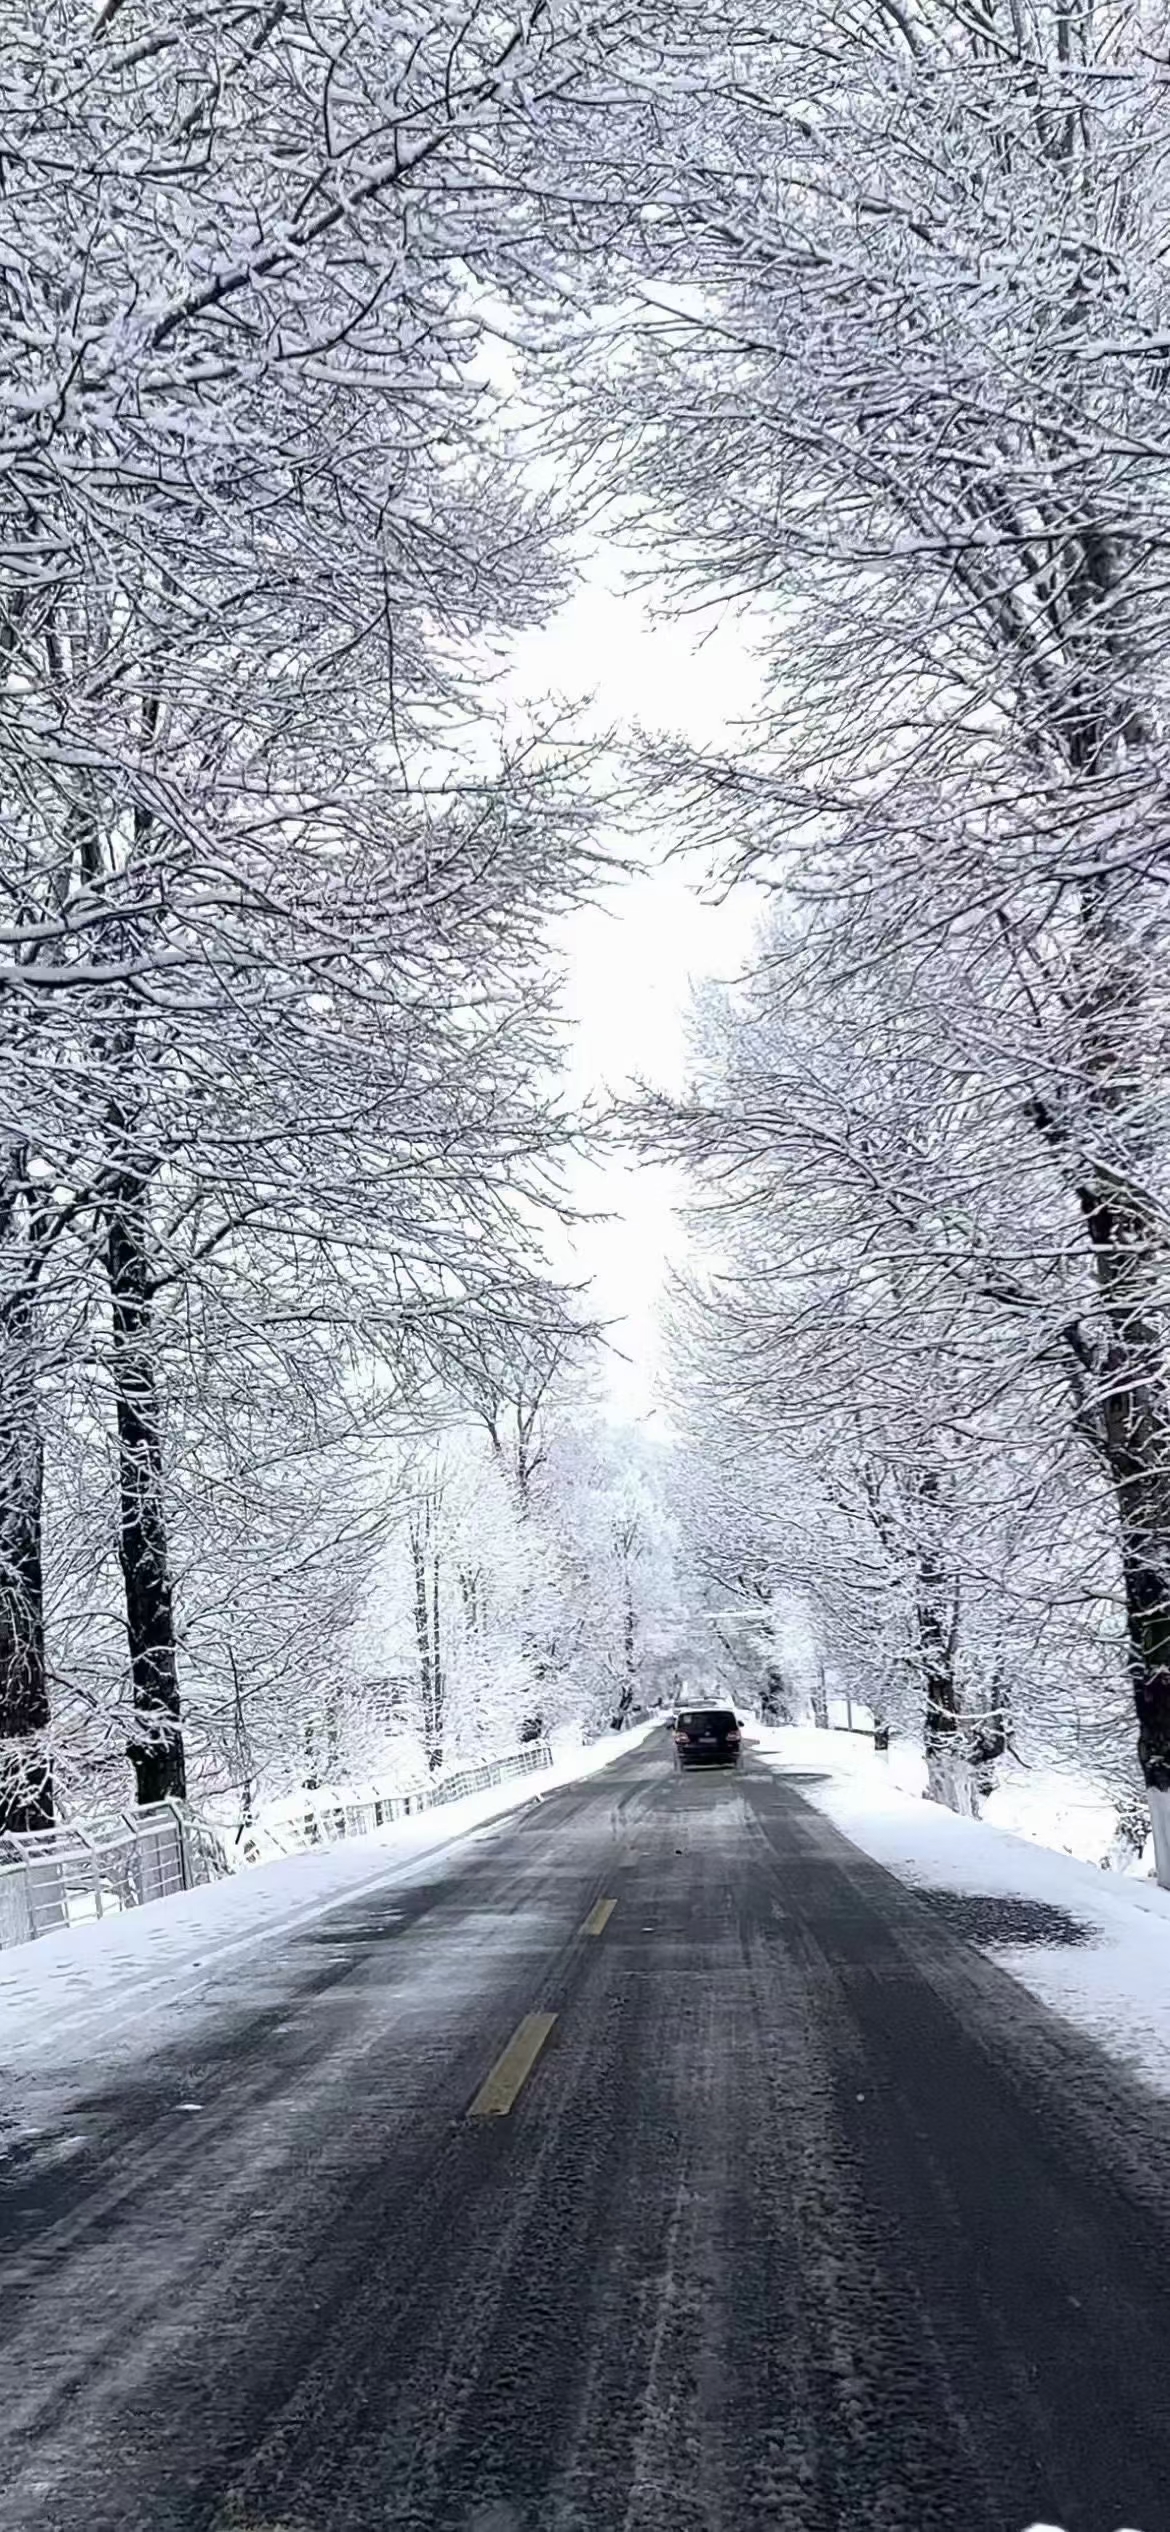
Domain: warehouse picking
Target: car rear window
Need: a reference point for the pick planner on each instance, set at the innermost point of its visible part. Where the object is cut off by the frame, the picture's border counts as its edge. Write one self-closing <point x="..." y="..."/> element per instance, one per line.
<point x="707" y="1719"/>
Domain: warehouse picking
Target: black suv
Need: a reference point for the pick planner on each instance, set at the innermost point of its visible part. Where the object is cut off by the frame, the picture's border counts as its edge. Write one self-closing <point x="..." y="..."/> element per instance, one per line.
<point x="706" y="1736"/>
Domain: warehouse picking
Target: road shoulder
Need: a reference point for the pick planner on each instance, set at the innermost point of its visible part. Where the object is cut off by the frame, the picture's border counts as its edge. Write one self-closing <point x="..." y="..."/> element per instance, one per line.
<point x="1092" y="1946"/>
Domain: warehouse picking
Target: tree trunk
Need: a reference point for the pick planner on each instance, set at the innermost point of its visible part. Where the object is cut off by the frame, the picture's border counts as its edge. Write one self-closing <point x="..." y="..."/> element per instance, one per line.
<point x="629" y="1651"/>
<point x="1129" y="1837"/>
<point x="1140" y="1430"/>
<point x="776" y="1699"/>
<point x="1118" y="1367"/>
<point x="426" y="1620"/>
<point x="155" y="1748"/>
<point x="1124" y="1403"/>
<point x="26" y="1780"/>
<point x="435" y="1750"/>
<point x="243" y="1748"/>
<point x="987" y="1732"/>
<point x="948" y="1771"/>
<point x="879" y="1706"/>
<point x="312" y="1777"/>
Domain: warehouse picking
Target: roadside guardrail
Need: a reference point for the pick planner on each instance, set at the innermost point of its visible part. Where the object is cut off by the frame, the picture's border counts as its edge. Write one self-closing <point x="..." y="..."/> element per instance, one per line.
<point x="50" y="1878"/>
<point x="338" y="1812"/>
<point x="67" y="1876"/>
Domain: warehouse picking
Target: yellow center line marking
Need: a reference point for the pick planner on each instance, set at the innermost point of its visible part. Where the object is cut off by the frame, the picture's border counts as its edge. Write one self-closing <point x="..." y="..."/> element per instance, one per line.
<point x="495" y="2098"/>
<point x="598" y="1917"/>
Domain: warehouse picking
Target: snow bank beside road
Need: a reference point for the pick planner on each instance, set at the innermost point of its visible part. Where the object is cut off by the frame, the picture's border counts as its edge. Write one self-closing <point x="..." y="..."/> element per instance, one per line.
<point x="1054" y="1807"/>
<point x="106" y="1991"/>
<point x="1115" y="1987"/>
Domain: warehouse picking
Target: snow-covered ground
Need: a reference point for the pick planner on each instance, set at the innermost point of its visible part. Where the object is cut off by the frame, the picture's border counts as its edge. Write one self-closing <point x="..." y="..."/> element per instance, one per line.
<point x="1049" y="1804"/>
<point x="1115" y="1986"/>
<point x="100" y="1994"/>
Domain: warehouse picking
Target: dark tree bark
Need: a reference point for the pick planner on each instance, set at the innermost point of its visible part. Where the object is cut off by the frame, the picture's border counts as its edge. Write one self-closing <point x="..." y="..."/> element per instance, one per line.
<point x="775" y="1699"/>
<point x="245" y="1766"/>
<point x="1131" y="1411"/>
<point x="914" y="1532"/>
<point x="312" y="1777"/>
<point x="1130" y="1395"/>
<point x="948" y="1769"/>
<point x="432" y="1685"/>
<point x="1117" y="1360"/>
<point x="156" y="1744"/>
<point x="988" y="1731"/>
<point x="626" y="1542"/>
<point x="435" y="1752"/>
<point x="26" y="1781"/>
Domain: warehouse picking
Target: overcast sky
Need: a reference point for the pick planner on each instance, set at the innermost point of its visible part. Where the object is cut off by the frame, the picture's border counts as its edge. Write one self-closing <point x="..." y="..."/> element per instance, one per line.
<point x="633" y="958"/>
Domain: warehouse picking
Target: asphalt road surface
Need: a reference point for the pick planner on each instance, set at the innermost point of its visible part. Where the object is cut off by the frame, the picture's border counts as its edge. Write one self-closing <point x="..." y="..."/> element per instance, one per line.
<point x="802" y="2215"/>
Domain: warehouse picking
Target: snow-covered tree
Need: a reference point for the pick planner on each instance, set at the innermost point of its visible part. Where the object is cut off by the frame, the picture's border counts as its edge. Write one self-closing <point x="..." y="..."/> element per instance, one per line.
<point x="887" y="367"/>
<point x="272" y="1000"/>
<point x="904" y="1452"/>
<point x="619" y="1609"/>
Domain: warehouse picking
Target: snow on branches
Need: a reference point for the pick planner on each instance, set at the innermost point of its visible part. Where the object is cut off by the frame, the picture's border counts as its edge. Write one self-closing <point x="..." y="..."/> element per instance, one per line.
<point x="275" y="1037"/>
<point x="886" y="368"/>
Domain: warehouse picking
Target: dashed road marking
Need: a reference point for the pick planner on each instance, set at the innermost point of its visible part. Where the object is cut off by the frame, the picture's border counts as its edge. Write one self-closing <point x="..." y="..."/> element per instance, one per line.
<point x="598" y="1917"/>
<point x="511" y="2071"/>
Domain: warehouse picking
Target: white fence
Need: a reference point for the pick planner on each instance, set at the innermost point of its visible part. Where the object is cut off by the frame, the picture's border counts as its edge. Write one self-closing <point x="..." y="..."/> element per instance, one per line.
<point x="51" y="1878"/>
<point x="354" y="1811"/>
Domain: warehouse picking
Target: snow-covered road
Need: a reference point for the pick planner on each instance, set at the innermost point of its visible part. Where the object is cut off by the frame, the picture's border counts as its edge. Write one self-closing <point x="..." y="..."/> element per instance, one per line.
<point x="802" y="2214"/>
<point x="89" y="2003"/>
<point x="1110" y="1976"/>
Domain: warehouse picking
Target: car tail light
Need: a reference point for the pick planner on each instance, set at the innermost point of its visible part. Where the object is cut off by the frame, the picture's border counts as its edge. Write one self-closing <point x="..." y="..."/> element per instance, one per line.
<point x="733" y="1740"/>
<point x="682" y="1736"/>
